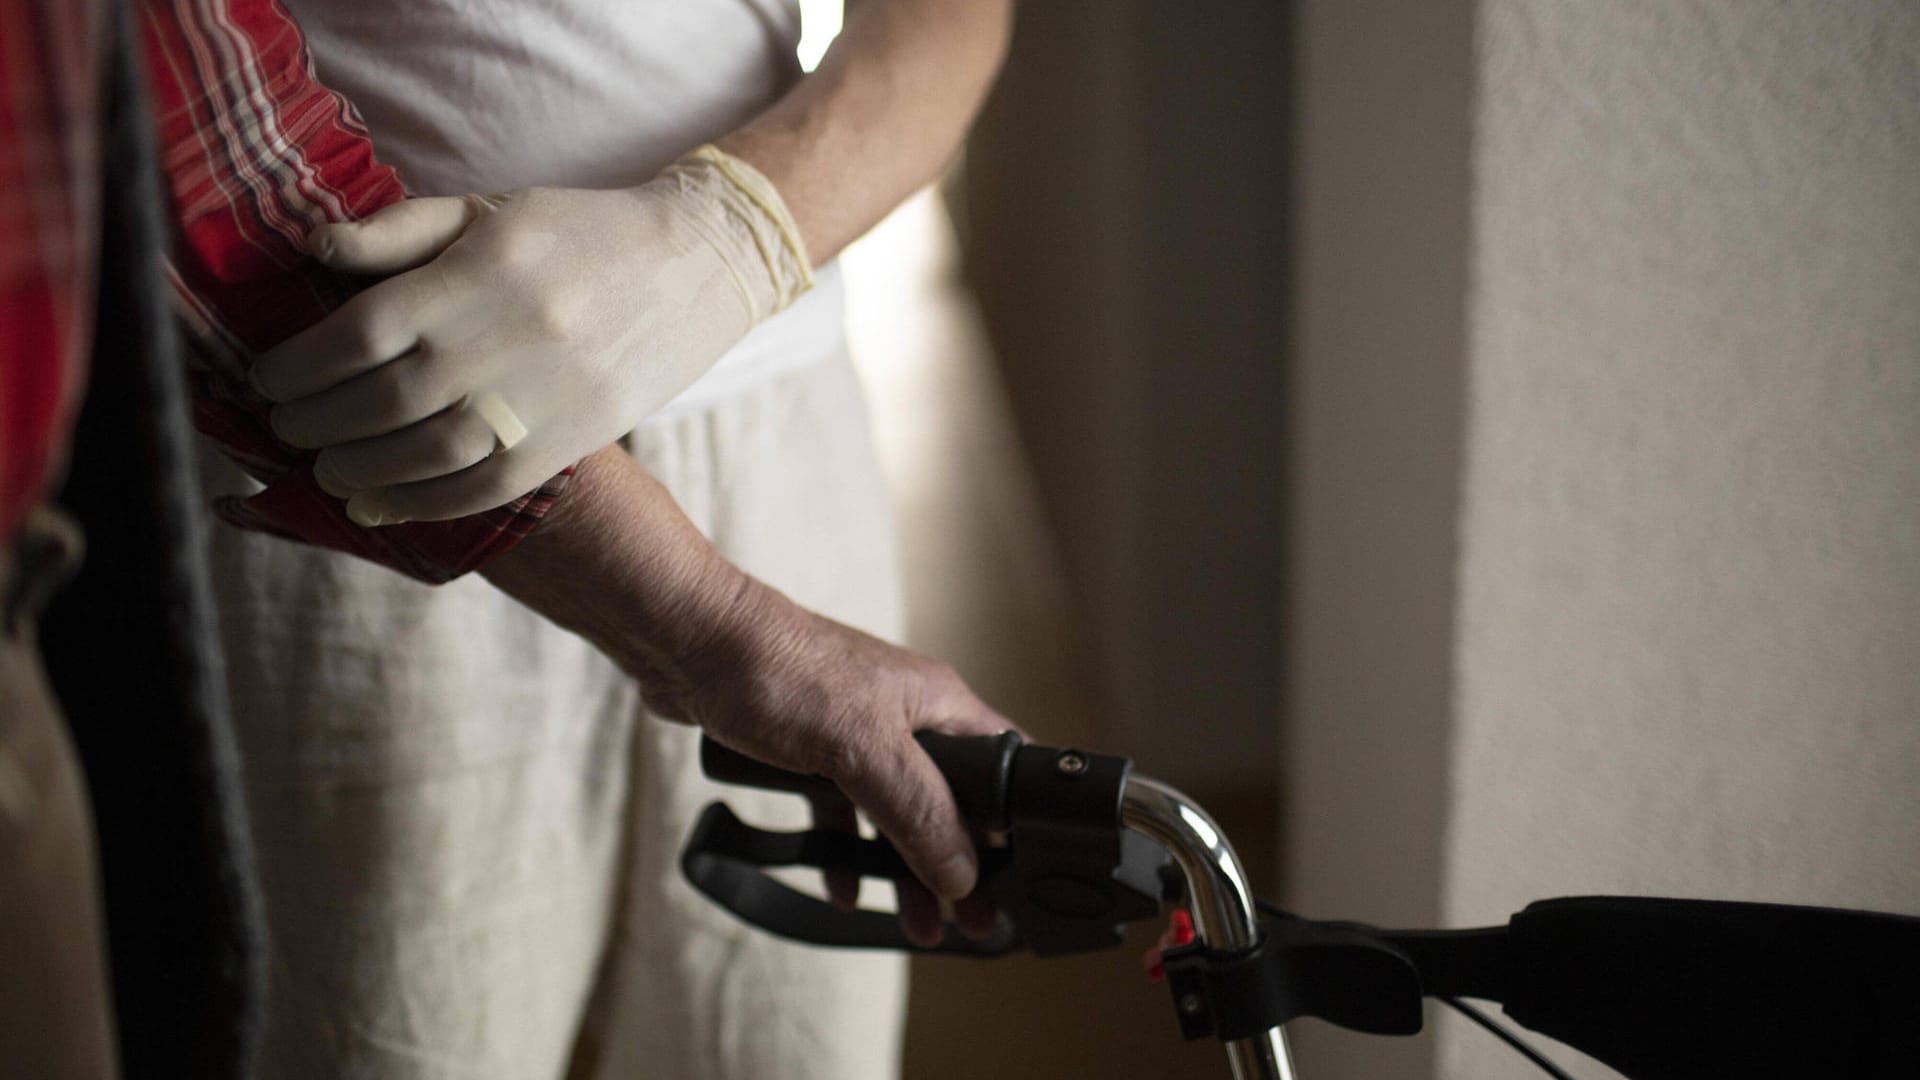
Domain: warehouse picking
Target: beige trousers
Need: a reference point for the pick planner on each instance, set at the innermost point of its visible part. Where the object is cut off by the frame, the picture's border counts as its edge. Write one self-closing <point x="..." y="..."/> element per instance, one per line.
<point x="468" y="826"/>
<point x="55" y="1011"/>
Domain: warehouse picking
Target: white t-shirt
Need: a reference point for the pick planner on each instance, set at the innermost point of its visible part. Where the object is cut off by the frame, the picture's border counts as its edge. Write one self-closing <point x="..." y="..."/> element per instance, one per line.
<point x="491" y="95"/>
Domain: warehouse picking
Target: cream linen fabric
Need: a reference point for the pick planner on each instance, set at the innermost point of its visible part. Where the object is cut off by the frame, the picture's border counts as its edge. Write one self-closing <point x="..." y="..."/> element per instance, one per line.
<point x="468" y="826"/>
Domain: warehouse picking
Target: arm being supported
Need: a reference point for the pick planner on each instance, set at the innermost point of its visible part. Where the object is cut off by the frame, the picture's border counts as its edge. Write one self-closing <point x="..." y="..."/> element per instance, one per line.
<point x="254" y="153"/>
<point x="620" y="564"/>
<point x="560" y="318"/>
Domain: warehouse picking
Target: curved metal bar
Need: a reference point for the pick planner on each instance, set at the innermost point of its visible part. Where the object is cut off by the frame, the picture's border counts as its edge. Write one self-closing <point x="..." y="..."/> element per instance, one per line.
<point x="1223" y="910"/>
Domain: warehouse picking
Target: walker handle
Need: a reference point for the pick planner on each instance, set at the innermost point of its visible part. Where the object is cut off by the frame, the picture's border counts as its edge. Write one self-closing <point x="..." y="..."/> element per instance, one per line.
<point x="1066" y="877"/>
<point x="977" y="768"/>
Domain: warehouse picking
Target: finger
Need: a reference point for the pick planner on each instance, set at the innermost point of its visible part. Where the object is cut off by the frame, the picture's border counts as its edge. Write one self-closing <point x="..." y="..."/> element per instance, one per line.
<point x="836" y="815"/>
<point x="977" y="914"/>
<point x="444" y="443"/>
<point x="397" y="237"/>
<point x="910" y="803"/>
<point x="919" y="913"/>
<point x="951" y="708"/>
<point x="404" y="391"/>
<point x="500" y="479"/>
<point x="365" y="332"/>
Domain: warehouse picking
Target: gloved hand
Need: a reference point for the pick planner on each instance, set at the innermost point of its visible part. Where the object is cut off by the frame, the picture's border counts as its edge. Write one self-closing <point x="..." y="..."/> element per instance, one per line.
<point x="527" y="331"/>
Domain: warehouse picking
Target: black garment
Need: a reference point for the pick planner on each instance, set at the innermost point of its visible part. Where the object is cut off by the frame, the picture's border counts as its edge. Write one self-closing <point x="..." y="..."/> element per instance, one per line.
<point x="133" y="653"/>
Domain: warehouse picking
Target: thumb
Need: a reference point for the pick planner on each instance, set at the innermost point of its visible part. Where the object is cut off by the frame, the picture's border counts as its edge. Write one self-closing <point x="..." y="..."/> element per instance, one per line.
<point x="397" y="237"/>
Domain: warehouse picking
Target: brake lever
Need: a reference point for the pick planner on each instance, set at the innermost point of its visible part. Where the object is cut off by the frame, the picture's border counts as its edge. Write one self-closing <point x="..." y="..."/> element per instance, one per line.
<point x="727" y="859"/>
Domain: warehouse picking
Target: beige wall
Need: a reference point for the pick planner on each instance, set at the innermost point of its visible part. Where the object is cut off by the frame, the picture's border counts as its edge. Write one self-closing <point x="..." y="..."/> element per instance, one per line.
<point x="1657" y="628"/>
<point x="1689" y="617"/>
<point x="1604" y="450"/>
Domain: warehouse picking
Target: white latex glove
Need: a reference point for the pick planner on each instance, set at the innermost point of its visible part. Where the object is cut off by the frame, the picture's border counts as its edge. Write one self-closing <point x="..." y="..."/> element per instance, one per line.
<point x="527" y="331"/>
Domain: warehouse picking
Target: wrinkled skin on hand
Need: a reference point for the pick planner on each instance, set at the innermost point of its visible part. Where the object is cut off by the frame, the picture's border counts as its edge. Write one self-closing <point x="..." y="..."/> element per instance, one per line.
<point x="618" y="563"/>
<point x="812" y="695"/>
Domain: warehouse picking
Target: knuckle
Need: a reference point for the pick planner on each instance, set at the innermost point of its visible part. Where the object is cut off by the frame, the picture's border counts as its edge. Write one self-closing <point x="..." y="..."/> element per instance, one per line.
<point x="841" y="758"/>
<point x="552" y="316"/>
<point x="927" y="813"/>
<point x="445" y="446"/>
<point x="362" y="329"/>
<point x="390" y="396"/>
<point x="522" y="472"/>
<point x="495" y="487"/>
<point x="406" y="391"/>
<point x="431" y="374"/>
<point x="520" y="250"/>
<point x="478" y="205"/>
<point x="944" y="675"/>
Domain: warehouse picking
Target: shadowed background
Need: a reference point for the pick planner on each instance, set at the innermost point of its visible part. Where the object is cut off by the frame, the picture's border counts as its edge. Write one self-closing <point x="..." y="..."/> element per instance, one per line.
<point x="1472" y="446"/>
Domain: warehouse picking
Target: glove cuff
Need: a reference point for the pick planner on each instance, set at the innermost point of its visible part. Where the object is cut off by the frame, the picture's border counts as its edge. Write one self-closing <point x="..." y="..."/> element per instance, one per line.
<point x="748" y="224"/>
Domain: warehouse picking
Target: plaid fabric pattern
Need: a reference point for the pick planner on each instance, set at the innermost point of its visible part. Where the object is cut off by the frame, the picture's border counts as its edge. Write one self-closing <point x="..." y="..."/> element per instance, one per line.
<point x="255" y="153"/>
<point x="50" y="127"/>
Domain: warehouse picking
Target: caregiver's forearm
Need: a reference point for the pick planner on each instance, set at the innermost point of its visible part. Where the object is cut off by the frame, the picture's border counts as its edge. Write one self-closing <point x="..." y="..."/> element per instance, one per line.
<point x="883" y="115"/>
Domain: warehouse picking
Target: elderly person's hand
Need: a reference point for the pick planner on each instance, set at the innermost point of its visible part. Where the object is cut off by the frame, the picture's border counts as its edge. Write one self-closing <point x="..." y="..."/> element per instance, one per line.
<point x="791" y="688"/>
<point x="620" y="564"/>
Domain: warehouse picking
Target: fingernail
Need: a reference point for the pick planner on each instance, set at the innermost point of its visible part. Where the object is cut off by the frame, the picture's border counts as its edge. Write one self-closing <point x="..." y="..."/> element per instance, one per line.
<point x="275" y="420"/>
<point x="253" y="380"/>
<point x="327" y="475"/>
<point x="954" y="879"/>
<point x="364" y="509"/>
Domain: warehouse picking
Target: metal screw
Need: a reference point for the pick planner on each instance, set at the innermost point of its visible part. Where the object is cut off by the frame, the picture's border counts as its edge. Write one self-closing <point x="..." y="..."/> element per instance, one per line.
<point x="1070" y="764"/>
<point x="1191" y="1004"/>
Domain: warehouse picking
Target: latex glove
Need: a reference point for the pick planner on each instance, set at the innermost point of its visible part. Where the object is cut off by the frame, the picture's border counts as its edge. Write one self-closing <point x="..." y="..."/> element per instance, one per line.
<point x="527" y="331"/>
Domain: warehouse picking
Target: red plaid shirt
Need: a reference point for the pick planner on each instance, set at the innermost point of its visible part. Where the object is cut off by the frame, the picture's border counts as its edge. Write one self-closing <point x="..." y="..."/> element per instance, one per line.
<point x="50" y="122"/>
<point x="255" y="153"/>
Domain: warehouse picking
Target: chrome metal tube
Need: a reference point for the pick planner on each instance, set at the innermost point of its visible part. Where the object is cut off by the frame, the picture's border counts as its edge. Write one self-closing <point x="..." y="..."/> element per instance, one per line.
<point x="1223" y="910"/>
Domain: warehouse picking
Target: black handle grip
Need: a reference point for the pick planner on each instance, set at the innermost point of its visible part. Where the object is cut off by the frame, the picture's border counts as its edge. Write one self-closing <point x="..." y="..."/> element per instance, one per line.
<point x="1065" y="879"/>
<point x="976" y="767"/>
<point x="1683" y="988"/>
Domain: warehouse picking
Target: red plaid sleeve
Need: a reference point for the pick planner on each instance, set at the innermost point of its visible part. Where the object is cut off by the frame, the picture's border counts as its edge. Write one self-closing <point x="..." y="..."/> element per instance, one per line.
<point x="255" y="153"/>
<point x="49" y="173"/>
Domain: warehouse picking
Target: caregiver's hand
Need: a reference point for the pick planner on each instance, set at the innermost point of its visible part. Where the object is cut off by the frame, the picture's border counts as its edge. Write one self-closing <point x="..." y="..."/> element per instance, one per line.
<point x="523" y="331"/>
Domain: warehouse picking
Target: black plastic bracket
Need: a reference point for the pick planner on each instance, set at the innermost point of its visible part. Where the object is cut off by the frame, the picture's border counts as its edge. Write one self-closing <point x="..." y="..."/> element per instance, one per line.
<point x="1297" y="968"/>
